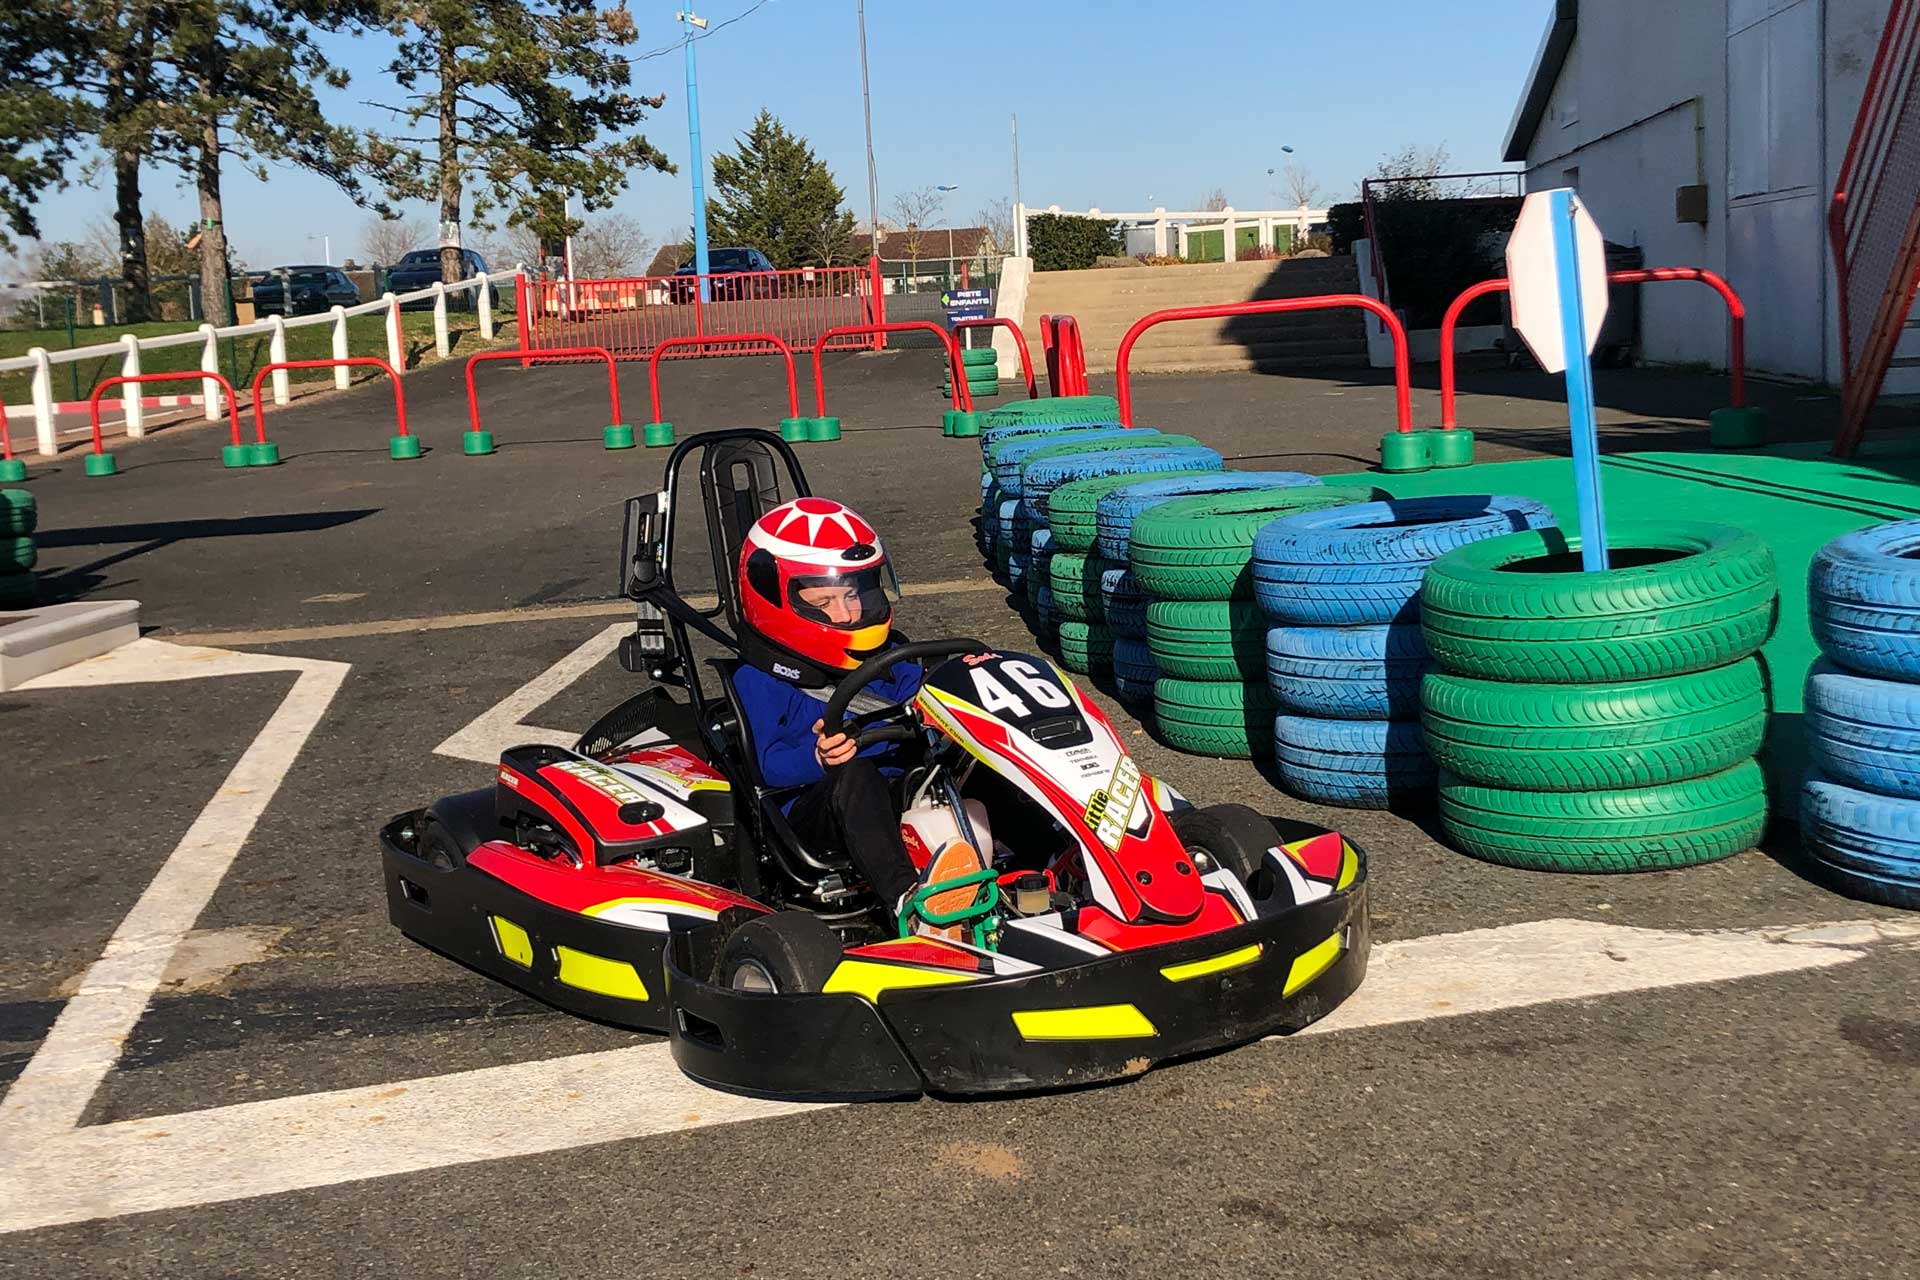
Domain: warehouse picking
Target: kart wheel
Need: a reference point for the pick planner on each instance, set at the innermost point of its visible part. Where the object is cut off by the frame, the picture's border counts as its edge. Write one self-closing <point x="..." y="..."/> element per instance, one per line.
<point x="787" y="953"/>
<point x="456" y="825"/>
<point x="438" y="847"/>
<point x="1231" y="836"/>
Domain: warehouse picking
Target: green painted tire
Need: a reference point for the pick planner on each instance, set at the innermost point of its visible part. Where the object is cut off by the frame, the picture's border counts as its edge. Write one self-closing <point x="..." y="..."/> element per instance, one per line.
<point x="1211" y="640"/>
<point x="1199" y="548"/>
<point x="1595" y="737"/>
<point x="17" y="591"/>
<point x="1076" y="585"/>
<point x="1085" y="648"/>
<point x="18" y="521"/>
<point x="18" y="555"/>
<point x="1225" y="718"/>
<point x="1073" y="508"/>
<point x="1065" y="410"/>
<point x="977" y="357"/>
<point x="1678" y="824"/>
<point x="1517" y="607"/>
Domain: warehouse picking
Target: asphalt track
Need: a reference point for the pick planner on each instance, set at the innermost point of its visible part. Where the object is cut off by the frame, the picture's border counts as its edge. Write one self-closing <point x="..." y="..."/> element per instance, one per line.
<point x="1683" y="1074"/>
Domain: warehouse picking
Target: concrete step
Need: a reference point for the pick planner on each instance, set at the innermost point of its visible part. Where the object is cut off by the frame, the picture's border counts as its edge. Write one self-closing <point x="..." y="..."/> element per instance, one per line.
<point x="36" y="641"/>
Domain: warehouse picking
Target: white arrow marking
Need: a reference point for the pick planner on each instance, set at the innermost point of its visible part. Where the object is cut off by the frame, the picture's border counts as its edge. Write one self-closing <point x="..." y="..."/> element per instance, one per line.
<point x="500" y="727"/>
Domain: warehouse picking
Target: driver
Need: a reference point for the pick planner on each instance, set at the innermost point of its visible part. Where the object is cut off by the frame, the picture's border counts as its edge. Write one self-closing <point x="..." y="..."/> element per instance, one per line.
<point x="815" y="594"/>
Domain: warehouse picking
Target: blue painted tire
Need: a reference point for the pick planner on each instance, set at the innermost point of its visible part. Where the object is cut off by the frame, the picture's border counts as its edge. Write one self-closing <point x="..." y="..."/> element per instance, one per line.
<point x="1863" y="597"/>
<point x="1009" y="459"/>
<point x="1133" y="669"/>
<point x="1118" y="510"/>
<point x="1361" y="565"/>
<point x="1864" y="732"/>
<point x="1040" y="566"/>
<point x="1354" y="764"/>
<point x="1124" y="604"/>
<point x="1348" y="673"/>
<point x="1864" y="845"/>
<point x="1040" y="479"/>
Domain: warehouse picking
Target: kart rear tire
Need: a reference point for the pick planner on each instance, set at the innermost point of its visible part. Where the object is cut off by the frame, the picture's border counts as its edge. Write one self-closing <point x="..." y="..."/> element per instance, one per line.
<point x="1231" y="836"/>
<point x="1200" y="548"/>
<point x="1118" y="510"/>
<point x="786" y="953"/>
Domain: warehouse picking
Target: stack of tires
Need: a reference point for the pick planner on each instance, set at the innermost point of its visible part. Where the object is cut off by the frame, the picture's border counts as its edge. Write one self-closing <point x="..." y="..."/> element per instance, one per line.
<point x="1860" y="810"/>
<point x="1190" y="557"/>
<point x="1600" y="722"/>
<point x="983" y="373"/>
<point x="1001" y="452"/>
<point x="1340" y="588"/>
<point x="18" y="552"/>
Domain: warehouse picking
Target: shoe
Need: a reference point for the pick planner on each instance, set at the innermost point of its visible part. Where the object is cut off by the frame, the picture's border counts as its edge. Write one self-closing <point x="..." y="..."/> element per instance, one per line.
<point x="954" y="859"/>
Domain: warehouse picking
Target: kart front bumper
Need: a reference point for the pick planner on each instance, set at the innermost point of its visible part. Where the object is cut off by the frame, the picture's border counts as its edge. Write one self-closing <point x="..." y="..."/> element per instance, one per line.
<point x="1112" y="1017"/>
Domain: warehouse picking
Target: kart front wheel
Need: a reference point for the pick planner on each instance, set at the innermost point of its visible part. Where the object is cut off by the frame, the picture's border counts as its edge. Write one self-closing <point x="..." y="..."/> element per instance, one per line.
<point x="1229" y="836"/>
<point x="787" y="953"/>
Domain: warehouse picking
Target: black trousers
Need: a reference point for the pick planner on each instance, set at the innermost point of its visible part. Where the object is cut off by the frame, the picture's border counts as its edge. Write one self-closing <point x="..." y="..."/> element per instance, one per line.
<point x="852" y="809"/>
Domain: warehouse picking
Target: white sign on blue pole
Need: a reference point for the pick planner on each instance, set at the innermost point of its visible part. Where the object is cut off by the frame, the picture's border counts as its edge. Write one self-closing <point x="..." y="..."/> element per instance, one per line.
<point x="1557" y="267"/>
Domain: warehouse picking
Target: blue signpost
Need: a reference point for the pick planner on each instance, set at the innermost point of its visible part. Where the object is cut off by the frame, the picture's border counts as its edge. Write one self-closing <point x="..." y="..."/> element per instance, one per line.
<point x="1580" y="409"/>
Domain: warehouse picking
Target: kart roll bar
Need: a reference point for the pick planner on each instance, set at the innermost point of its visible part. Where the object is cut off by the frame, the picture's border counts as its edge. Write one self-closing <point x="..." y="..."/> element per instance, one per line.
<point x="1019" y="342"/>
<point x="765" y="339"/>
<point x="962" y="399"/>
<point x="1402" y="377"/>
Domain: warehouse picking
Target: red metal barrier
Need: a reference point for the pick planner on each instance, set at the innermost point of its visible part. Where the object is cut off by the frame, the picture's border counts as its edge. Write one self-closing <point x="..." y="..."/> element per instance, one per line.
<point x="1019" y="340"/>
<point x="961" y="398"/>
<point x="1402" y="377"/>
<point x="555" y="354"/>
<point x="631" y="316"/>
<point x="181" y="375"/>
<point x="1736" y="327"/>
<point x="352" y="362"/>
<point x="1066" y="355"/>
<point x="765" y="339"/>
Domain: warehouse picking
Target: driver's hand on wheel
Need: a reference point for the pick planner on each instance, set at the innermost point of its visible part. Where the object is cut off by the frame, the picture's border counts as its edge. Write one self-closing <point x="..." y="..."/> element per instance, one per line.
<point x="832" y="751"/>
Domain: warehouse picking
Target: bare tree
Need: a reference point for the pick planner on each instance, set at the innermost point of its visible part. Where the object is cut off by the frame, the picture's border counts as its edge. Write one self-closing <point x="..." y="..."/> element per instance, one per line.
<point x="997" y="218"/>
<point x="915" y="208"/>
<point x="1301" y="186"/>
<point x="1410" y="171"/>
<point x="387" y="240"/>
<point x="1213" y="201"/>
<point x="611" y="246"/>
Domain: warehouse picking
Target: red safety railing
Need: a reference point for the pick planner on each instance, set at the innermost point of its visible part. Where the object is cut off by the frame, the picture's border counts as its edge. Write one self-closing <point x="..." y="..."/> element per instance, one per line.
<point x="556" y="355"/>
<point x="1402" y="372"/>
<point x="1066" y="355"/>
<point x="349" y="362"/>
<point x="962" y="399"/>
<point x="179" y="375"/>
<point x="1736" y="327"/>
<point x="632" y="316"/>
<point x="1873" y="221"/>
<point x="763" y="339"/>
<point x="1019" y="341"/>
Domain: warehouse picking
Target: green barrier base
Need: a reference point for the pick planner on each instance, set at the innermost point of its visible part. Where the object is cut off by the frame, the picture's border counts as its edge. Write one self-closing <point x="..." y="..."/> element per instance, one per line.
<point x="966" y="423"/>
<point x="617" y="436"/>
<point x="476" y="444"/>
<point x="1737" y="428"/>
<point x="12" y="470"/>
<point x="101" y="464"/>
<point x="263" y="453"/>
<point x="1402" y="451"/>
<point x="233" y="455"/>
<point x="400" y="448"/>
<point x="793" y="430"/>
<point x="1451" y="448"/>
<point x="657" y="434"/>
<point x="822" y="430"/>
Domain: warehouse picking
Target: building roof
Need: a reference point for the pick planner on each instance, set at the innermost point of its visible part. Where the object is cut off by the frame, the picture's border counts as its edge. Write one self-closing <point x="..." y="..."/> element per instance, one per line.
<point x="1547" y="65"/>
<point x="968" y="242"/>
<point x="668" y="260"/>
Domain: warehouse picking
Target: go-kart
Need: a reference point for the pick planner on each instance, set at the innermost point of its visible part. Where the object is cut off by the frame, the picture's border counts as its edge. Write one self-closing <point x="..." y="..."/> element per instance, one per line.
<point x="647" y="877"/>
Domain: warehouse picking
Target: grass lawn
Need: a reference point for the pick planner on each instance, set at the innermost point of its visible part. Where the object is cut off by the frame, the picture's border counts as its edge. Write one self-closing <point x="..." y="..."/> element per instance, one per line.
<point x="240" y="358"/>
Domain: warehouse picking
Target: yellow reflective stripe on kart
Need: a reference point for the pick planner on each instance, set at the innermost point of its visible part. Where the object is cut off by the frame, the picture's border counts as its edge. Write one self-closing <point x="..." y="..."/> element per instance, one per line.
<point x="864" y="978"/>
<point x="1212" y="964"/>
<point x="1090" y="1022"/>
<point x="604" y="977"/>
<point x="1349" y="865"/>
<point x="1314" y="961"/>
<point x="512" y="941"/>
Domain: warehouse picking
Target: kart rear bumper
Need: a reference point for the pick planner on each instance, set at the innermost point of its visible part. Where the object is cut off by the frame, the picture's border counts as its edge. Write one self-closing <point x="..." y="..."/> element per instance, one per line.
<point x="1112" y="1017"/>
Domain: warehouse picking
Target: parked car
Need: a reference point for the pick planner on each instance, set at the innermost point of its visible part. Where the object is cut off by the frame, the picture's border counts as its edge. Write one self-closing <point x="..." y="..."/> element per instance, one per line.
<point x="736" y="274"/>
<point x="421" y="268"/>
<point x="302" y="291"/>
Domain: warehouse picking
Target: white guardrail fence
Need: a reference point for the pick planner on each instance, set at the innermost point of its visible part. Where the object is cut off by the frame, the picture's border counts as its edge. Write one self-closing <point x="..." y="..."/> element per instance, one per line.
<point x="39" y="361"/>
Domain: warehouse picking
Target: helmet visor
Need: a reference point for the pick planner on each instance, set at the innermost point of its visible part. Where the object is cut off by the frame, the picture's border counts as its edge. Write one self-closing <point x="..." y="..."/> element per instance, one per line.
<point x="846" y="601"/>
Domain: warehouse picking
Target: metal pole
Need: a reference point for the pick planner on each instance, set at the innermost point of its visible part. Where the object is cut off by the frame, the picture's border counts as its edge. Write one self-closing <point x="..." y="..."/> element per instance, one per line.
<point x="1580" y="408"/>
<point x="700" y="264"/>
<point x="866" y="106"/>
<point x="1016" y="160"/>
<point x="74" y="369"/>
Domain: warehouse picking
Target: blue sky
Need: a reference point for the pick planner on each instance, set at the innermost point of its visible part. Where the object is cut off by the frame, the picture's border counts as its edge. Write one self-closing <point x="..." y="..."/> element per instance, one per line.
<point x="1122" y="103"/>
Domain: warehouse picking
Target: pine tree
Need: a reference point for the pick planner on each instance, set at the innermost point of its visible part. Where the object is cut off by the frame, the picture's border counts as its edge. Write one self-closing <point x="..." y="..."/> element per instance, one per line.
<point x="773" y="194"/>
<point x="514" y="101"/>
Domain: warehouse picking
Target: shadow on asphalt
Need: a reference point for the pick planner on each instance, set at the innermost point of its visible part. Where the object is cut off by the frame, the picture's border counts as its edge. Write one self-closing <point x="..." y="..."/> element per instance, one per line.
<point x="138" y="539"/>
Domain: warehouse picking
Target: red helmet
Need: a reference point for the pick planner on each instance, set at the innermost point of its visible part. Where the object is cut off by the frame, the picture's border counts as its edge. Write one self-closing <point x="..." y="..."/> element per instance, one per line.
<point x="815" y="582"/>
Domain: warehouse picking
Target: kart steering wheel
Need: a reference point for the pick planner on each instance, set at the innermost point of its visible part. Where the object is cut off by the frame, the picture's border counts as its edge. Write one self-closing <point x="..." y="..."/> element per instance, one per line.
<point x="888" y="723"/>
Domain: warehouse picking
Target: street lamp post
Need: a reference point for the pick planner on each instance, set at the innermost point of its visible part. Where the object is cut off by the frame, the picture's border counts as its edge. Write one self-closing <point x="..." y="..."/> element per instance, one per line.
<point x="866" y="106"/>
<point x="949" y="221"/>
<point x="326" y="248"/>
<point x="688" y="21"/>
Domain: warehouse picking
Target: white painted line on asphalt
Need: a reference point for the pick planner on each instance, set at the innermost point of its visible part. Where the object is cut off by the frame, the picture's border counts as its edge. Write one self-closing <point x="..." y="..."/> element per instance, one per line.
<point x="52" y="1092"/>
<point x="527" y="1108"/>
<point x="500" y="727"/>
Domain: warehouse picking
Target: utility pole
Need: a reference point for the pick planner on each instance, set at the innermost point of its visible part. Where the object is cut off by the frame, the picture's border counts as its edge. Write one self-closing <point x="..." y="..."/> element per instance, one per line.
<point x="688" y="21"/>
<point x="866" y="105"/>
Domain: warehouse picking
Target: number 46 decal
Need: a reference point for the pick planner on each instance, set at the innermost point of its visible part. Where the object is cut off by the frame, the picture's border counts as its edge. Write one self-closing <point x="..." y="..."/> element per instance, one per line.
<point x="996" y="698"/>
